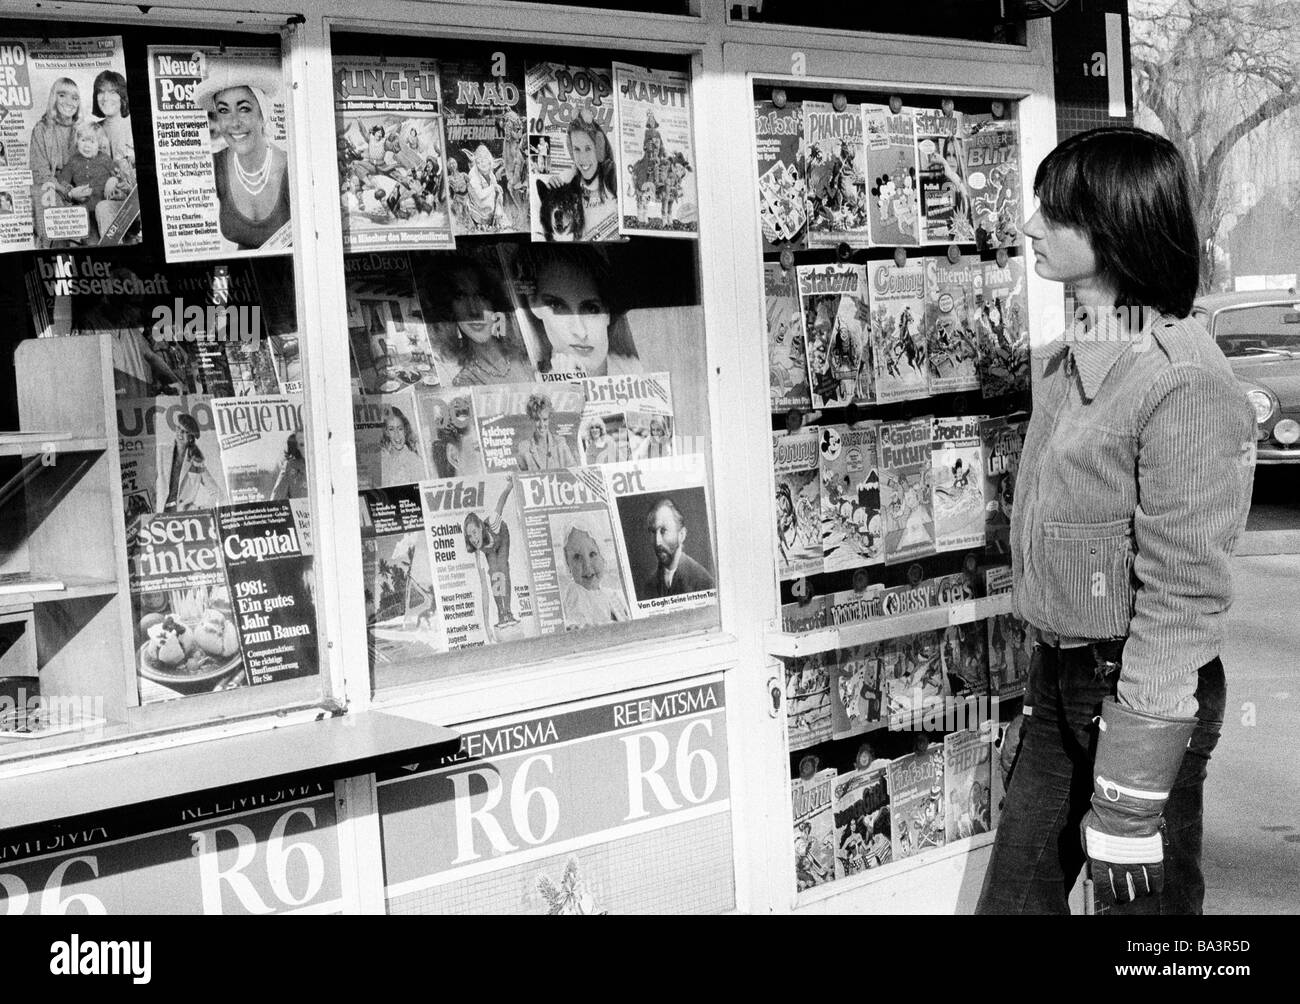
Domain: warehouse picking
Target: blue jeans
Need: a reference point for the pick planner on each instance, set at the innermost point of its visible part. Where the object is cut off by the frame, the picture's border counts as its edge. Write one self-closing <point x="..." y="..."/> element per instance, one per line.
<point x="1037" y="853"/>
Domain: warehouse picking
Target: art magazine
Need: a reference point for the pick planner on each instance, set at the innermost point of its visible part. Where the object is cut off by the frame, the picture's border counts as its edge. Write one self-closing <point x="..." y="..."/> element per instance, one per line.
<point x="894" y="217"/>
<point x="852" y="533"/>
<point x="402" y="621"/>
<point x="905" y="495"/>
<point x="529" y="426"/>
<point x="657" y="151"/>
<point x="916" y="802"/>
<point x="782" y="190"/>
<point x="786" y="358"/>
<point x="949" y="324"/>
<point x="899" y="348"/>
<point x="958" y="487"/>
<point x="993" y="177"/>
<point x="795" y="463"/>
<point x="862" y="827"/>
<point x="835" y="162"/>
<point x="263" y="448"/>
<point x="837" y="334"/>
<point x="625" y="418"/>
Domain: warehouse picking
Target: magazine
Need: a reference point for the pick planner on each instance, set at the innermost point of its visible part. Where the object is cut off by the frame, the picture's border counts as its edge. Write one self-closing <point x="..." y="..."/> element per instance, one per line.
<point x="853" y="606"/>
<point x="795" y="458"/>
<point x="480" y="555"/>
<point x="837" y="334"/>
<point x="1001" y="439"/>
<point x="804" y="616"/>
<point x="483" y="109"/>
<point x="958" y="488"/>
<point x="862" y="828"/>
<point x="1002" y="324"/>
<point x="919" y="685"/>
<point x="834" y="162"/>
<point x="852" y="533"/>
<point x="662" y="515"/>
<point x="942" y="591"/>
<point x="782" y="192"/>
<point x="966" y="660"/>
<point x="402" y="620"/>
<point x="905" y="495"/>
<point x="137" y="458"/>
<point x="993" y="177"/>
<point x="392" y="166"/>
<point x="1011" y="646"/>
<point x="945" y="199"/>
<point x="858" y="678"/>
<point x="578" y="580"/>
<point x="448" y="432"/>
<point x="967" y="778"/>
<point x="530" y="426"/>
<point x="807" y="701"/>
<point x="213" y="171"/>
<point x="626" y="418"/>
<point x="386" y="329"/>
<point x="897" y="333"/>
<point x="77" y="189"/>
<point x="390" y="446"/>
<point x="263" y="449"/>
<point x="916" y="802"/>
<point x="187" y="456"/>
<point x="814" y="826"/>
<point x="573" y="153"/>
<point x="949" y="323"/>
<point x="657" y="150"/>
<point x="894" y="218"/>
<point x="787" y="361"/>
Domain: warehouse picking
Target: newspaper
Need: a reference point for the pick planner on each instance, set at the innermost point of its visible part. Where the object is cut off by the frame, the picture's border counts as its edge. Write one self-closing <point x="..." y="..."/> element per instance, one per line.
<point x="578" y="580"/>
<point x="655" y="136"/>
<point x="220" y="142"/>
<point x="401" y="605"/>
<point x="392" y="167"/>
<point x="573" y="169"/>
<point x="263" y="449"/>
<point x="67" y="153"/>
<point x="626" y="418"/>
<point x="529" y="426"/>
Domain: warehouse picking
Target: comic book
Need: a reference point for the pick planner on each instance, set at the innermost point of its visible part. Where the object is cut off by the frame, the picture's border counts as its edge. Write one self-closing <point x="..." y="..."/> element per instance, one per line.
<point x="661" y="512"/>
<point x="862" y="828"/>
<point x="852" y="535"/>
<point x="993" y="177"/>
<point x="941" y="591"/>
<point x="803" y="616"/>
<point x="967" y="778"/>
<point x="858" y="676"/>
<point x="573" y="153"/>
<point x="807" y="700"/>
<point x="626" y="418"/>
<point x="853" y="606"/>
<point x="916" y="802"/>
<point x="572" y="546"/>
<point x="529" y="426"/>
<point x="795" y="458"/>
<point x="945" y="201"/>
<point x="786" y="359"/>
<point x="919" y="685"/>
<point x="957" y="486"/>
<point x="905" y="489"/>
<point x="402" y="620"/>
<point x="657" y="149"/>
<point x="1011" y="641"/>
<point x="966" y="659"/>
<point x="386" y="328"/>
<point x="834" y="163"/>
<point x="813" y="803"/>
<point x="782" y="191"/>
<point x="391" y="157"/>
<point x="837" y="333"/>
<point x="1002" y="324"/>
<point x="479" y="550"/>
<point x="897" y="335"/>
<point x="894" y="219"/>
<point x="1001" y="439"/>
<point x="263" y="449"/>
<point x="483" y="110"/>
<point x="949" y="324"/>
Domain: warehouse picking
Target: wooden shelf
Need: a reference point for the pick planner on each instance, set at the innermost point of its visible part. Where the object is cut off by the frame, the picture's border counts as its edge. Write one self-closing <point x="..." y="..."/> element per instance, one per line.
<point x="788" y="644"/>
<point x="31" y="446"/>
<point x="74" y="589"/>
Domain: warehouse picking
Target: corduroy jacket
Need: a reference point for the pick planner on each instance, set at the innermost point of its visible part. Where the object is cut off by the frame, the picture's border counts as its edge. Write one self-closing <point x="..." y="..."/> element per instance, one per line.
<point x="1133" y="487"/>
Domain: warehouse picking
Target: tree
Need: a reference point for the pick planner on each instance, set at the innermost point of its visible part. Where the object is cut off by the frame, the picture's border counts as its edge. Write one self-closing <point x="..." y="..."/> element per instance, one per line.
<point x="1211" y="73"/>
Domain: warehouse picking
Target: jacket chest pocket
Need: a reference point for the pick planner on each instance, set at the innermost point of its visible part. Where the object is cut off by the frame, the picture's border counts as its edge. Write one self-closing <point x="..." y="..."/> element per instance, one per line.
<point x="1087" y="573"/>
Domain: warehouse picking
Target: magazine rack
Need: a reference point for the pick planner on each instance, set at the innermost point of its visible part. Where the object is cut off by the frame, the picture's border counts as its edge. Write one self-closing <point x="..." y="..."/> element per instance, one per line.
<point x="67" y="496"/>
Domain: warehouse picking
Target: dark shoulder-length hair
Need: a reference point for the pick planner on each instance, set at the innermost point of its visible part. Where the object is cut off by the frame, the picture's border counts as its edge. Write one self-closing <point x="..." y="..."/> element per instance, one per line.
<point x="115" y="80"/>
<point x="1127" y="189"/>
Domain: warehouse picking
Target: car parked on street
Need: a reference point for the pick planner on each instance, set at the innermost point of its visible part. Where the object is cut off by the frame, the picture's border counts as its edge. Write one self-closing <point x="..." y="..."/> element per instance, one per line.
<point x="1259" y="332"/>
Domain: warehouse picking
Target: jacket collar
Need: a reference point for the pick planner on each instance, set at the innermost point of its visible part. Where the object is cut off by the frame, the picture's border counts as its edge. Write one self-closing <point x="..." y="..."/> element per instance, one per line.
<point x="1093" y="360"/>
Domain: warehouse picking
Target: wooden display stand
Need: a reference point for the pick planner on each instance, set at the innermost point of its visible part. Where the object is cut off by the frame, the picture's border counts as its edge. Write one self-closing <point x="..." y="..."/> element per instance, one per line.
<point x="68" y="496"/>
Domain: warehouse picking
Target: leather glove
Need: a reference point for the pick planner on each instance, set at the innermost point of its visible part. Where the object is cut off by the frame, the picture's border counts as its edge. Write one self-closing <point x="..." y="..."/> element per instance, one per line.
<point x="1138" y="757"/>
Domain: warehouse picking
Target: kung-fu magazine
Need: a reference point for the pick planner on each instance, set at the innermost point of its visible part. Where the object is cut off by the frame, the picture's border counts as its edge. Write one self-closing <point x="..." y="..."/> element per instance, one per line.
<point x="782" y="187"/>
<point x="993" y="177"/>
<point x="852" y="533"/>
<point x="895" y="201"/>
<point x="573" y="153"/>
<point x="807" y="700"/>
<point x="786" y="358"/>
<point x="1002" y="323"/>
<point x="656" y="137"/>
<point x="945" y="200"/>
<point x="484" y="109"/>
<point x="949" y="322"/>
<point x="958" y="486"/>
<point x="795" y="459"/>
<point x="837" y="334"/>
<point x="862" y="829"/>
<point x="899" y="348"/>
<point x="835" y="162"/>
<point x="905" y="500"/>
